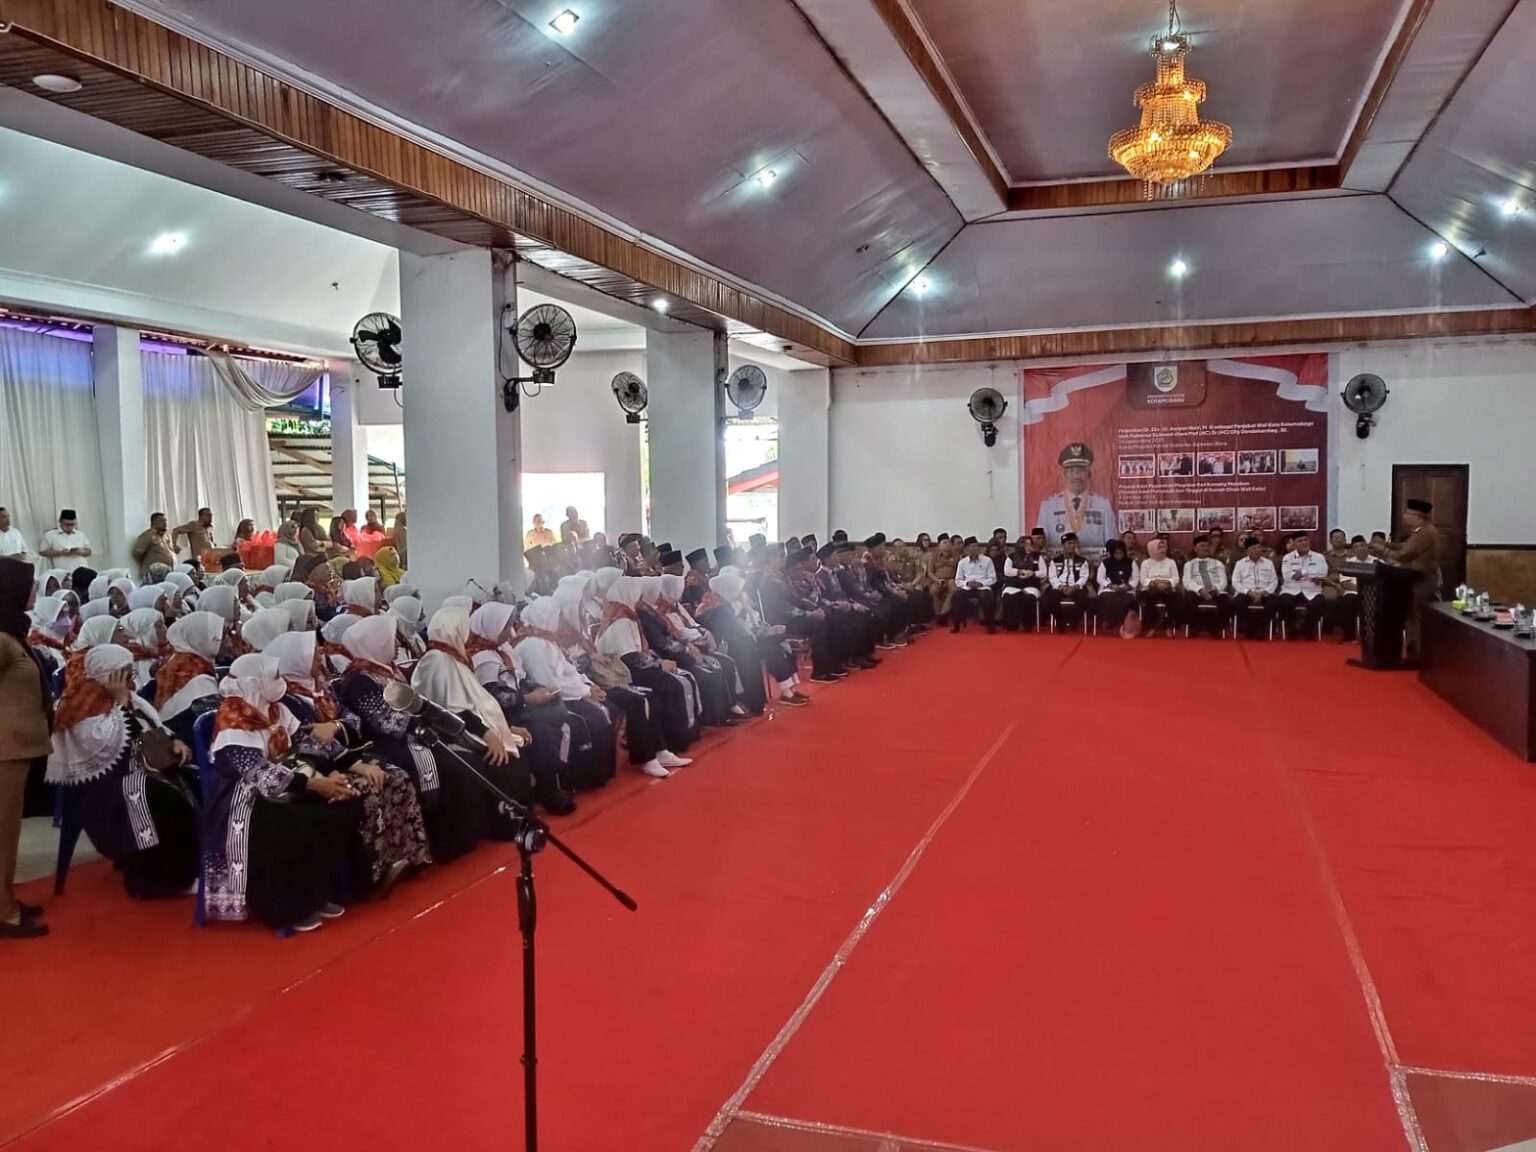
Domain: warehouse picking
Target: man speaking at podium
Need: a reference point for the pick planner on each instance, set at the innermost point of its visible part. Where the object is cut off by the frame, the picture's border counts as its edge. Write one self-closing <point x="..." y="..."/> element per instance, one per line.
<point x="1421" y="552"/>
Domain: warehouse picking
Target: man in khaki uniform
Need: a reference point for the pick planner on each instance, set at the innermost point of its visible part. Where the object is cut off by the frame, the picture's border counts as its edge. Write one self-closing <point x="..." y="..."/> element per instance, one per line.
<point x="1421" y="552"/>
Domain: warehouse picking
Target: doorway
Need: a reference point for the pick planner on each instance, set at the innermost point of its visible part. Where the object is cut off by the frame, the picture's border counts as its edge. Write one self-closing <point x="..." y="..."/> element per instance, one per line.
<point x="1444" y="486"/>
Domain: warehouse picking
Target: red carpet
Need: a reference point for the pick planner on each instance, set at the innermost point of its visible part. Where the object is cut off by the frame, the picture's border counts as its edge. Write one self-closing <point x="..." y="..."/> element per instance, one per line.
<point x="1123" y="936"/>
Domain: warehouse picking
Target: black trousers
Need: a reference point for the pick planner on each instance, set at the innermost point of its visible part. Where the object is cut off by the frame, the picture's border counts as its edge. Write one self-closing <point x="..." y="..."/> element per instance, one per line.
<point x="1066" y="611"/>
<point x="1343" y="614"/>
<point x="969" y="602"/>
<point x="1159" y="607"/>
<point x="1113" y="608"/>
<point x="644" y="736"/>
<point x="1209" y="614"/>
<point x="1298" y="612"/>
<point x="1019" y="610"/>
<point x="818" y="630"/>
<point x="1252" y="617"/>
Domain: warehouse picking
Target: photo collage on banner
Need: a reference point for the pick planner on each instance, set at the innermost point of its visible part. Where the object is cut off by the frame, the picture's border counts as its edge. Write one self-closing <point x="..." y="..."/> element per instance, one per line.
<point x="1184" y="448"/>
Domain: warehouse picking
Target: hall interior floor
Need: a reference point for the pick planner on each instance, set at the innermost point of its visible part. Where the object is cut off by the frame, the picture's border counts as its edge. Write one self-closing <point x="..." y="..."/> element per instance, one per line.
<point x="1035" y="893"/>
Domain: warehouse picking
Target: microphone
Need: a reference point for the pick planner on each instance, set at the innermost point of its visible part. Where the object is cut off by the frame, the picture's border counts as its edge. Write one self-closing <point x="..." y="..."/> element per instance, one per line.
<point x="403" y="698"/>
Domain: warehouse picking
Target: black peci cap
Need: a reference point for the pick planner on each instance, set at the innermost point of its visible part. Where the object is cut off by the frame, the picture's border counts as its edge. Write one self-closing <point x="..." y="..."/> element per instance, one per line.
<point x="670" y="558"/>
<point x="698" y="556"/>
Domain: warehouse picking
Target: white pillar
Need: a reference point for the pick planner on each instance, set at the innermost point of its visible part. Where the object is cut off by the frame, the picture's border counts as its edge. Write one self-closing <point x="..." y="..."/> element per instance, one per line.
<point x="463" y="449"/>
<point x="804" y="463"/>
<point x="349" y="440"/>
<point x="119" y="381"/>
<point x="687" y="434"/>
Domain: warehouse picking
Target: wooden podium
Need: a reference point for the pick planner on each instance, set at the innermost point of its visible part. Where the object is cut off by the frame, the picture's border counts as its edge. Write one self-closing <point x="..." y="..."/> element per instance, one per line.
<point x="1386" y="592"/>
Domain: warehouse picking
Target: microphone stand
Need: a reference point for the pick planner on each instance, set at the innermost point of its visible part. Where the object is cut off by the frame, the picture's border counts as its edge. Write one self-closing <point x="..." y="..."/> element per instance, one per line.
<point x="531" y="837"/>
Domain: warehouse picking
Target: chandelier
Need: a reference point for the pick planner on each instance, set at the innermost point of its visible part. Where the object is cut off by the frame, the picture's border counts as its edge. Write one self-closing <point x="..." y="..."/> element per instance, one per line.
<point x="1172" y="144"/>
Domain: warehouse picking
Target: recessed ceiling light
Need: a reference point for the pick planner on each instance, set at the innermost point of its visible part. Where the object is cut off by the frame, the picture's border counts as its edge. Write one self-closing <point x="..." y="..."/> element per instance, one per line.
<point x="922" y="285"/>
<point x="1178" y="269"/>
<point x="565" y="23"/>
<point x="766" y="177"/>
<point x="53" y="82"/>
<point x="1439" y="250"/>
<point x="167" y="243"/>
<point x="1511" y="207"/>
<point x="660" y="304"/>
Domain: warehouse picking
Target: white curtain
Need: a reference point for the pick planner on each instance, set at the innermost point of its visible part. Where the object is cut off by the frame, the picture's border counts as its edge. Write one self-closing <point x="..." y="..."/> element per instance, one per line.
<point x="259" y="384"/>
<point x="48" y="454"/>
<point x="205" y="447"/>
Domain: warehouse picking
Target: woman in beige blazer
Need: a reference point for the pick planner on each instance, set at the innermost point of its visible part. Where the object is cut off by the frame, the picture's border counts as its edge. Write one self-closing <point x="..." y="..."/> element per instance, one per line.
<point x="24" y="725"/>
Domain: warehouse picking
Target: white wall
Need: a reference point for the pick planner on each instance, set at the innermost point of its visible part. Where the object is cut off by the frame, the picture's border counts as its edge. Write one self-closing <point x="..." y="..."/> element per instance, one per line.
<point x="906" y="457"/>
<point x="804" y="407"/>
<point x="575" y="426"/>
<point x="687" y="470"/>
<point x="1469" y="404"/>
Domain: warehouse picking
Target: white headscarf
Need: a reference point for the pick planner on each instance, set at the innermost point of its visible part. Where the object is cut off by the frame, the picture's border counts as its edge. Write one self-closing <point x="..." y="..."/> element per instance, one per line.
<point x="650" y="589"/>
<point x="449" y="684"/>
<point x="87" y="750"/>
<point x="728" y="585"/>
<point x="96" y="630"/>
<point x="147" y="596"/>
<point x="395" y="591"/>
<point x="222" y="600"/>
<point x="292" y="590"/>
<point x="490" y="622"/>
<point x="94" y="608"/>
<point x="543" y="662"/>
<point x="462" y="603"/>
<point x="143" y="626"/>
<point x="231" y="577"/>
<point x="295" y="656"/>
<point x="363" y="592"/>
<point x="622" y="637"/>
<point x="273" y="576"/>
<point x="407" y="613"/>
<point x="47" y="610"/>
<point x="372" y="638"/>
<point x="301" y="614"/>
<point x="202" y="634"/>
<point x="180" y="582"/>
<point x="337" y="627"/>
<point x="98" y="588"/>
<point x="603" y="580"/>
<point x="265" y="626"/>
<point x="569" y="594"/>
<point x="60" y="574"/>
<point x="255" y="679"/>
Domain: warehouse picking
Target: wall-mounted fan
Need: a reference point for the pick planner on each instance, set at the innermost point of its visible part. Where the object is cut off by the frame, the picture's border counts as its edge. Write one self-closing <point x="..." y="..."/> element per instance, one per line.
<point x="746" y="387"/>
<point x="545" y="337"/>
<point x="376" y="338"/>
<point x="987" y="407"/>
<point x="1364" y="395"/>
<point x="629" y="391"/>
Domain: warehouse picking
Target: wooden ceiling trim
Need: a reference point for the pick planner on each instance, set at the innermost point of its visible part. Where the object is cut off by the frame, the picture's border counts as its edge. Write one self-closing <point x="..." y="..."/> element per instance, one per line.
<point x="1418" y="11"/>
<point x="214" y="90"/>
<point x="1124" y="342"/>
<point x="904" y="26"/>
<point x="1214" y="186"/>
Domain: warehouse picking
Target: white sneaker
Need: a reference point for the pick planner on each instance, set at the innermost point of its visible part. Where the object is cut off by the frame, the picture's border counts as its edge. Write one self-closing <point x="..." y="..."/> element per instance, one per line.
<point x="738" y="710"/>
<point x="332" y="911"/>
<point x="669" y="760"/>
<point x="654" y="768"/>
<point x="308" y="924"/>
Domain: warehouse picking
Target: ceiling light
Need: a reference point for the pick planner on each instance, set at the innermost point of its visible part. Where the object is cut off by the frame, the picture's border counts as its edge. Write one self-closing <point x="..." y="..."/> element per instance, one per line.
<point x="167" y="243"/>
<point x="922" y="285"/>
<point x="766" y="177"/>
<point x="565" y="23"/>
<point x="1170" y="45"/>
<point x="1438" y="250"/>
<point x="1178" y="269"/>
<point x="660" y="304"/>
<point x="61" y="85"/>
<point x="1511" y="207"/>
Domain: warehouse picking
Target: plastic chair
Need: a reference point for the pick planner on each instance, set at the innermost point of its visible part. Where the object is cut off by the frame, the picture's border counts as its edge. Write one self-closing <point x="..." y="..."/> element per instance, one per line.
<point x="202" y="741"/>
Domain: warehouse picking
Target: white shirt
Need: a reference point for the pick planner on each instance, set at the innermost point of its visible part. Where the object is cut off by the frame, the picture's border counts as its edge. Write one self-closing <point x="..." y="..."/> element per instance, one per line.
<point x="1071" y="572"/>
<point x="1215" y="574"/>
<point x="1164" y="569"/>
<point x="981" y="570"/>
<point x="1254" y="576"/>
<point x="1304" y="574"/>
<point x="60" y="540"/>
<point x="12" y="543"/>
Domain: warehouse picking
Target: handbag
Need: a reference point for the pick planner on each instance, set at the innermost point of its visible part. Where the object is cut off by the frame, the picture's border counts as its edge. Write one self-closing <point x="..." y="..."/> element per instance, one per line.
<point x="608" y="671"/>
<point x="157" y="748"/>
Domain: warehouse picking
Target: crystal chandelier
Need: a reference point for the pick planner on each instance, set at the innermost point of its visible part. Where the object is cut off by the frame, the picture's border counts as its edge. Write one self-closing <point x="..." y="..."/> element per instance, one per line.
<point x="1172" y="144"/>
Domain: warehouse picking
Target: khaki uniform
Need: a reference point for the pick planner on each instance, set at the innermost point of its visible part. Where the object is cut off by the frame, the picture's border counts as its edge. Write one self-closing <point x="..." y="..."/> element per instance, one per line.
<point x="23" y="738"/>
<point x="942" y="571"/>
<point x="1421" y="552"/>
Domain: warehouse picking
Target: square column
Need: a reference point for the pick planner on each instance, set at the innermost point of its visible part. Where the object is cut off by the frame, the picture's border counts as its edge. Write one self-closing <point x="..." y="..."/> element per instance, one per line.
<point x="463" y="450"/>
<point x="119" y="383"/>
<point x="349" y="440"/>
<point x="683" y="373"/>
<point x="805" y="401"/>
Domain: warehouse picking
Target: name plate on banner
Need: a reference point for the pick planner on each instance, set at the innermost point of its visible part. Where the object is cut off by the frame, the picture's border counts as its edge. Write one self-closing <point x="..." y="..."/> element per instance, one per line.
<point x="1180" y="385"/>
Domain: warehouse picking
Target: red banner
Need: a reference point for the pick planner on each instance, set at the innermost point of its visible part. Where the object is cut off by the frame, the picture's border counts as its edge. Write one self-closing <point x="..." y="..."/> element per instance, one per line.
<point x="1183" y="448"/>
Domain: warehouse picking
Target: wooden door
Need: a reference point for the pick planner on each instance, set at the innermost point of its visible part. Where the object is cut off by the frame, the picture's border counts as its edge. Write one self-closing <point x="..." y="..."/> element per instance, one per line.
<point x="1444" y="486"/>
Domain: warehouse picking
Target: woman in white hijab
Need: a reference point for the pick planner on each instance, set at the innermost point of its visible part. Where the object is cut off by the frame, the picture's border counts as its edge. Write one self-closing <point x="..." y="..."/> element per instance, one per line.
<point x="360" y="597"/>
<point x="292" y="590"/>
<point x="620" y="635"/>
<point x="222" y="600"/>
<point x="714" y="671"/>
<point x="186" y="681"/>
<point x="265" y="626"/>
<point x="96" y="631"/>
<point x="49" y="634"/>
<point x="144" y="629"/>
<point x="280" y="836"/>
<point x="407" y="613"/>
<point x="269" y="580"/>
<point x="395" y="834"/>
<point x="149" y="596"/>
<point x="395" y="591"/>
<point x="118" y="592"/>
<point x="134" y="805"/>
<point x="546" y="664"/>
<point x="301" y="614"/>
<point x="334" y="634"/>
<point x="457" y="808"/>
<point x="723" y="613"/>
